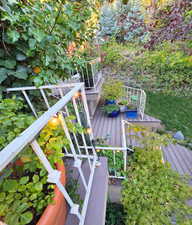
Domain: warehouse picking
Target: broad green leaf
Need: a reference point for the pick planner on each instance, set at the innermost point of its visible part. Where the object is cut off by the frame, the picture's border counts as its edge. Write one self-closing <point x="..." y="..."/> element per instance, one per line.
<point x="21" y="57"/>
<point x="24" y="180"/>
<point x="2" y="196"/>
<point x="38" y="35"/>
<point x="10" y="185"/>
<point x="33" y="196"/>
<point x="32" y="43"/>
<point x="43" y="172"/>
<point x="38" y="81"/>
<point x="3" y="208"/>
<point x="3" y="74"/>
<point x="26" y="217"/>
<point x="10" y="64"/>
<point x="22" y="207"/>
<point x="35" y="178"/>
<point x="12" y="218"/>
<point x="20" y="75"/>
<point x="13" y="35"/>
<point x="2" y="62"/>
<point x="38" y="187"/>
<point x="21" y="72"/>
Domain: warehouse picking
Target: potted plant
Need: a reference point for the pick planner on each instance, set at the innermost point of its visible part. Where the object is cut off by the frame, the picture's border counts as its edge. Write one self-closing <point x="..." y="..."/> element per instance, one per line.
<point x="131" y="111"/>
<point x="112" y="90"/>
<point x="25" y="195"/>
<point x="123" y="106"/>
<point x="31" y="198"/>
<point x="111" y="110"/>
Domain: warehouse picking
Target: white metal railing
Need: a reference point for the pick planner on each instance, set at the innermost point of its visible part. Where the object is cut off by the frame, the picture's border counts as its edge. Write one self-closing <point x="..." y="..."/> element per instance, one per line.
<point x="125" y="125"/>
<point x="89" y="73"/>
<point x="69" y="93"/>
<point x="137" y="98"/>
<point x="117" y="159"/>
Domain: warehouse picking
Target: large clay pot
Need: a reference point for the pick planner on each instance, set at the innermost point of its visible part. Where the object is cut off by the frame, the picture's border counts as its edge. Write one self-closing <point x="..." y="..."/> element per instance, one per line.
<point x="55" y="214"/>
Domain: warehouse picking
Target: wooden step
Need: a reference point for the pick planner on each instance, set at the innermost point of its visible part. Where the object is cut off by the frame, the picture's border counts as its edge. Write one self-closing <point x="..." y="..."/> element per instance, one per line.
<point x="98" y="198"/>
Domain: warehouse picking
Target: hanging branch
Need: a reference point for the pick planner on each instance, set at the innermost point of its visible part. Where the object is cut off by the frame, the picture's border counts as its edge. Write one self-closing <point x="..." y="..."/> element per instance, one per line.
<point x="56" y="18"/>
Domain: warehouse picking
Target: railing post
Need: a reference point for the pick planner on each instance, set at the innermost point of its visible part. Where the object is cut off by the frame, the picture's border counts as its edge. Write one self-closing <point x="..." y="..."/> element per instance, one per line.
<point x="77" y="162"/>
<point x="124" y="144"/>
<point x="93" y="74"/>
<point x="29" y="103"/>
<point x="54" y="177"/>
<point x="84" y="99"/>
<point x="82" y="134"/>
<point x="45" y="98"/>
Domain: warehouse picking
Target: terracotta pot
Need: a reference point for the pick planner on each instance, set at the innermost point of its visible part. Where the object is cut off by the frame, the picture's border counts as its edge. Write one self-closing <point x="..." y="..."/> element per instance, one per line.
<point x="55" y="214"/>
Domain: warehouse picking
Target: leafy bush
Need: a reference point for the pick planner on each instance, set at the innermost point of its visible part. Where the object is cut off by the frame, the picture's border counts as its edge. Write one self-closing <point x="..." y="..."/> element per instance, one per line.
<point x="28" y="27"/>
<point x="116" y="168"/>
<point x="131" y="24"/>
<point x="112" y="90"/>
<point x="114" y="214"/>
<point x="112" y="54"/>
<point x="12" y="120"/>
<point x="172" y="22"/>
<point x="153" y="193"/>
<point x="110" y="108"/>
<point x="170" y="65"/>
<point x="24" y="191"/>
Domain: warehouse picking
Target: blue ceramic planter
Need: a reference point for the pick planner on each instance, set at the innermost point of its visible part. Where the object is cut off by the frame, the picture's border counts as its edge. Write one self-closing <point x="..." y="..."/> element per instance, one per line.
<point x="113" y="114"/>
<point x="131" y="114"/>
<point x="110" y="102"/>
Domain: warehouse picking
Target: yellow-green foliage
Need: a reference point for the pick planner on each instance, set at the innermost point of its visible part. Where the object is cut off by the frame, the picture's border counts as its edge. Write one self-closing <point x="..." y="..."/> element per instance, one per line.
<point x="112" y="89"/>
<point x="112" y="52"/>
<point x="169" y="64"/>
<point x="153" y="193"/>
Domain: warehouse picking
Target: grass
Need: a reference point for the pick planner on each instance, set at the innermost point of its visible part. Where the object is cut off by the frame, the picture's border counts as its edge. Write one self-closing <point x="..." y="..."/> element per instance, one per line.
<point x="175" y="112"/>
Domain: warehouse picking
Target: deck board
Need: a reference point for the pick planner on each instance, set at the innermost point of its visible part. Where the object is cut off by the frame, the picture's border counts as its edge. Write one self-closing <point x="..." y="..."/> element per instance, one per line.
<point x="178" y="156"/>
<point x="103" y="126"/>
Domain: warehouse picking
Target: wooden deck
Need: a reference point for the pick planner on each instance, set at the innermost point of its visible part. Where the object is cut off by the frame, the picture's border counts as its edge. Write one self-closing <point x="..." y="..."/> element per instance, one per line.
<point x="178" y="156"/>
<point x="110" y="128"/>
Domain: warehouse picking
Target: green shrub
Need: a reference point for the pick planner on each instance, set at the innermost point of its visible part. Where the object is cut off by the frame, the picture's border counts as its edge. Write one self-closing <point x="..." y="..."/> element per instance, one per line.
<point x="153" y="193"/>
<point x="24" y="191"/>
<point x="12" y="120"/>
<point x="110" y="108"/>
<point x="116" y="168"/>
<point x="112" y="89"/>
<point x="114" y="214"/>
<point x="169" y="64"/>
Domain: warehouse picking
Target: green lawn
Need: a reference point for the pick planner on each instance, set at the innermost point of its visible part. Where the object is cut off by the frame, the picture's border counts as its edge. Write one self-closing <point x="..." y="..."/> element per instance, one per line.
<point x="174" y="112"/>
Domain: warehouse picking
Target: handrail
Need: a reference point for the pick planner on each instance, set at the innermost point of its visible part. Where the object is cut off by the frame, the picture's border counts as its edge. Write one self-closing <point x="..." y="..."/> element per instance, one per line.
<point x="43" y="87"/>
<point x="29" y="137"/>
<point x="140" y="93"/>
<point x="12" y="149"/>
